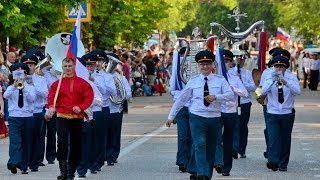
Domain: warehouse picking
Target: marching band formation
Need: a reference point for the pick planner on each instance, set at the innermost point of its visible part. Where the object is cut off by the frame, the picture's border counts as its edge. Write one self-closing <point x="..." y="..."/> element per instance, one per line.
<point x="212" y="112"/>
<point x="86" y="115"/>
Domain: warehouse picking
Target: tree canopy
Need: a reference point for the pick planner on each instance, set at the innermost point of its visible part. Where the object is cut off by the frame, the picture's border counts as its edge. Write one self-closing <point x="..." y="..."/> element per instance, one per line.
<point x="128" y="23"/>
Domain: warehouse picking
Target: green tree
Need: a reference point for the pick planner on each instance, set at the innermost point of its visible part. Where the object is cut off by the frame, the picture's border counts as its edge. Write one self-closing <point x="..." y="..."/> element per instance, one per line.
<point x="28" y="22"/>
<point x="258" y="10"/>
<point x="180" y="13"/>
<point x="209" y="12"/>
<point x="303" y="15"/>
<point x="124" y="22"/>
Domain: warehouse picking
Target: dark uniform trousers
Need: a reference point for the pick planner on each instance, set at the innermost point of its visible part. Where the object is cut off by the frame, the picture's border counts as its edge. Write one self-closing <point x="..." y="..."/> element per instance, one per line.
<point x="69" y="133"/>
<point x="36" y="156"/>
<point x="21" y="133"/>
<point x="49" y="149"/>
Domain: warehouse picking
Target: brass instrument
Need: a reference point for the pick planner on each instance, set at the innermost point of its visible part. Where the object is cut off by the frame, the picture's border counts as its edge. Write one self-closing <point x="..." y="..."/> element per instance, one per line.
<point x="278" y="77"/>
<point x="261" y="99"/>
<point x="121" y="91"/>
<point x="193" y="46"/>
<point x="56" y="50"/>
<point x="19" y="84"/>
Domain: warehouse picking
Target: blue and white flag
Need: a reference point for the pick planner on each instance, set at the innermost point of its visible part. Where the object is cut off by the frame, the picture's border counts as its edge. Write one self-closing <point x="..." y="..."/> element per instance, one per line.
<point x="222" y="70"/>
<point x="175" y="79"/>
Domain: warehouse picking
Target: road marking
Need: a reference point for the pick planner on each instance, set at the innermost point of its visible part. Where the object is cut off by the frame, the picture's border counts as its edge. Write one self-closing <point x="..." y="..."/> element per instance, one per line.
<point x="315" y="169"/>
<point x="311" y="161"/>
<point x="306" y="149"/>
<point x="140" y="141"/>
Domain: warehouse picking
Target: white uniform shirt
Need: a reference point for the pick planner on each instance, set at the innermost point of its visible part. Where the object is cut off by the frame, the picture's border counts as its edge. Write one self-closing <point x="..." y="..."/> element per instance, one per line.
<point x="314" y="64"/>
<point x="247" y="80"/>
<point x="306" y="64"/>
<point x="290" y="90"/>
<point x="12" y="95"/>
<point x="193" y="92"/>
<point x="115" y="108"/>
<point x="265" y="74"/>
<point x="41" y="92"/>
<point x="238" y="89"/>
<point x="105" y="83"/>
<point x="97" y="100"/>
<point x="50" y="79"/>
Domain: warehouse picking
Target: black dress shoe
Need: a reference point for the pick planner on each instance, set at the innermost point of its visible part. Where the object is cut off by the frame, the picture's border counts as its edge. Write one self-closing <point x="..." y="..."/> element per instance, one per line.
<point x="243" y="156"/>
<point x="110" y="164"/>
<point x="272" y="167"/>
<point x="41" y="164"/>
<point x="50" y="162"/>
<point x="115" y="161"/>
<point x="193" y="176"/>
<point x="202" y="177"/>
<point x="265" y="154"/>
<point x="34" y="170"/>
<point x="25" y="172"/>
<point x="182" y="168"/>
<point x="283" y="169"/>
<point x="82" y="176"/>
<point x="235" y="155"/>
<point x="99" y="169"/>
<point x="12" y="168"/>
<point x="225" y="174"/>
<point x="93" y="172"/>
<point x="218" y="169"/>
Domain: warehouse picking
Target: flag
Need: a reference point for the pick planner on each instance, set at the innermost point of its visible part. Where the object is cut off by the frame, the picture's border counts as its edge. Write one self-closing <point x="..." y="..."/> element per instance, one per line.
<point x="222" y="70"/>
<point x="282" y="35"/>
<point x="262" y="52"/>
<point x="175" y="79"/>
<point x="73" y="53"/>
<point x="210" y="41"/>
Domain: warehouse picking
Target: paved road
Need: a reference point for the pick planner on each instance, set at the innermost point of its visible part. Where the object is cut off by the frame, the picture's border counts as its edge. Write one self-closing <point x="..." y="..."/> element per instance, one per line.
<point x="149" y="149"/>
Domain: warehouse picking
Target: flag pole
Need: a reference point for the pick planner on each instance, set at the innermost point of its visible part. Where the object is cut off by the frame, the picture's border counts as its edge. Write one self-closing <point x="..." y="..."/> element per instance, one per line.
<point x="60" y="80"/>
<point x="57" y="92"/>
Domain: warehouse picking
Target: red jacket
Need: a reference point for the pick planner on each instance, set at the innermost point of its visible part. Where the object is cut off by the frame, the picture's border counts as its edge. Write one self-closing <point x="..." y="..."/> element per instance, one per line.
<point x="74" y="91"/>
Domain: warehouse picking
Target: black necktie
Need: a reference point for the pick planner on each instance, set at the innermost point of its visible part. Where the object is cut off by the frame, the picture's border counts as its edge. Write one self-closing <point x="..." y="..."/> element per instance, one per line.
<point x="20" y="99"/>
<point x="205" y="92"/>
<point x="280" y="95"/>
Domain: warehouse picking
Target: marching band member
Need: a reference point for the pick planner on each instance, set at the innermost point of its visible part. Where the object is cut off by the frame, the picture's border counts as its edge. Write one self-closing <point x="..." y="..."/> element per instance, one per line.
<point x="116" y="116"/>
<point x="21" y="97"/>
<point x="281" y="87"/>
<point x="38" y="114"/>
<point x="182" y="118"/>
<point x="314" y="66"/>
<point x="264" y="75"/>
<point x="205" y="92"/>
<point x="241" y="129"/>
<point x="90" y="136"/>
<point x="229" y="117"/>
<point x="49" y="127"/>
<point x="75" y="96"/>
<point x="105" y="83"/>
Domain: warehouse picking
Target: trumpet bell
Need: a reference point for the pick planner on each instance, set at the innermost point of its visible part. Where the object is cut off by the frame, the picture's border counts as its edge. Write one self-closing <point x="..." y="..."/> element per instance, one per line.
<point x="20" y="84"/>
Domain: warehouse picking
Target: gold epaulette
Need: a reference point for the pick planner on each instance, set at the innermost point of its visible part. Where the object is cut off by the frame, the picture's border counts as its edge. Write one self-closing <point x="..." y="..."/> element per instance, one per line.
<point x="70" y="115"/>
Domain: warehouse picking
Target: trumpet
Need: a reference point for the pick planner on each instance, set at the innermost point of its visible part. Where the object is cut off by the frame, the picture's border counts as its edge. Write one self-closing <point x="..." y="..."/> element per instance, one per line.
<point x="278" y="79"/>
<point x="279" y="84"/>
<point x="19" y="84"/>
